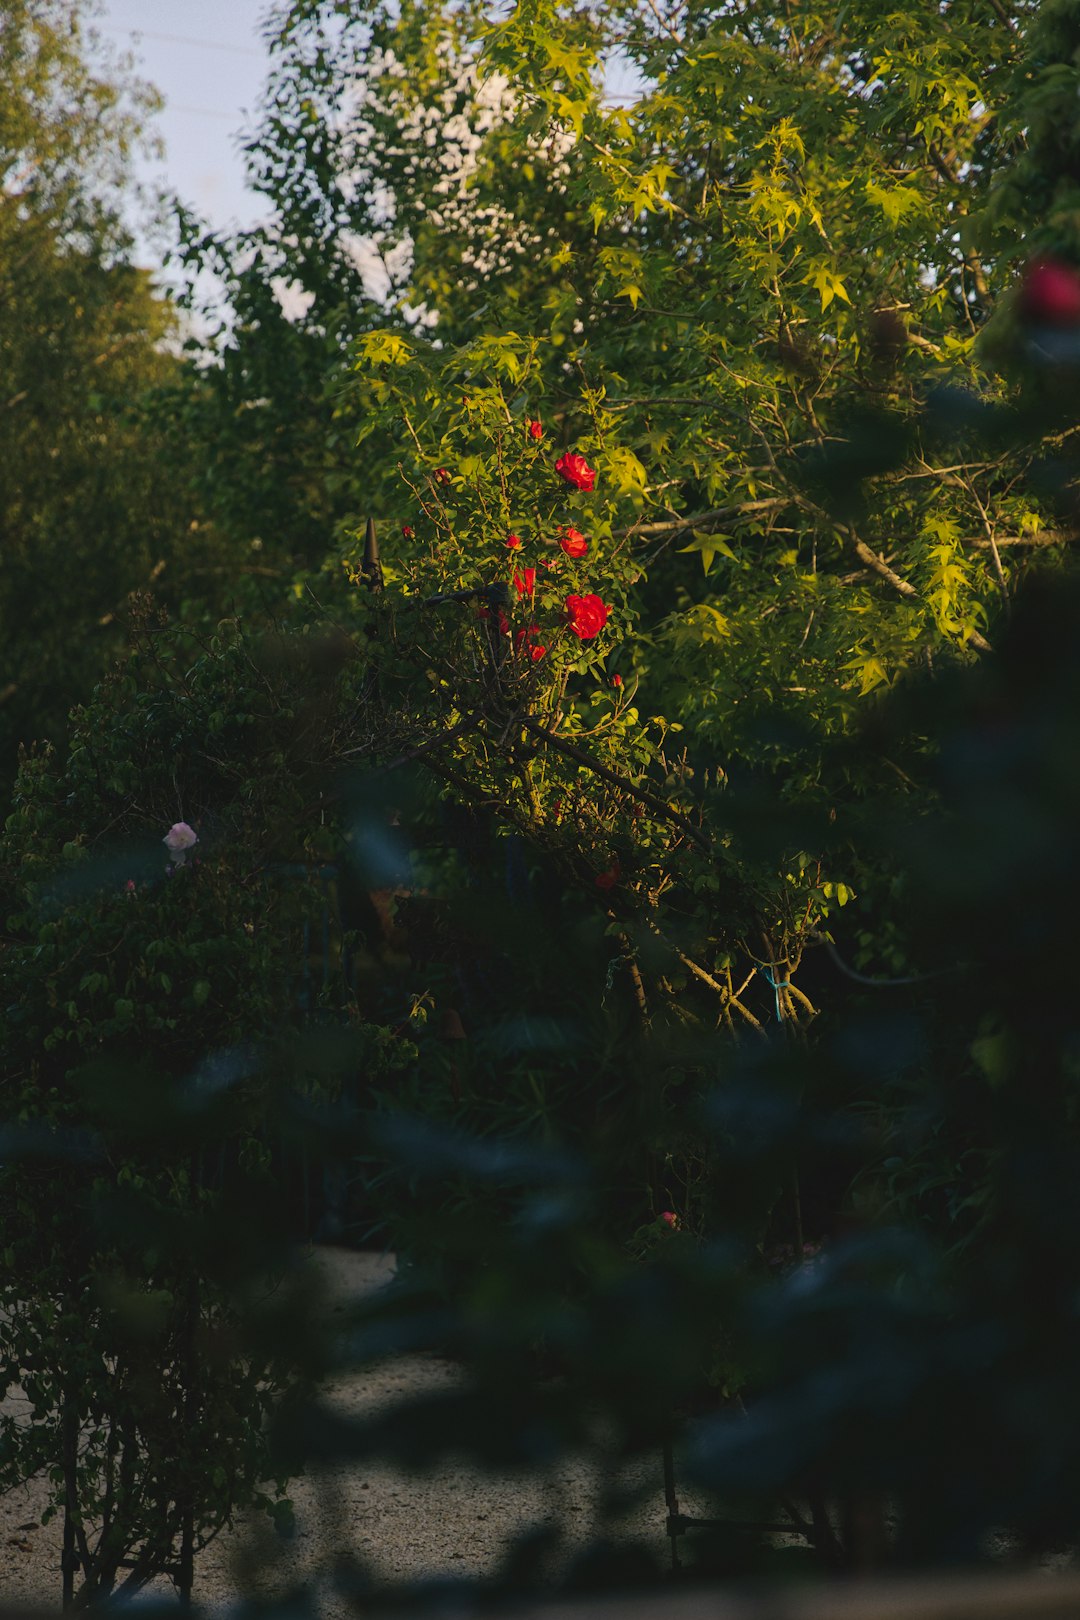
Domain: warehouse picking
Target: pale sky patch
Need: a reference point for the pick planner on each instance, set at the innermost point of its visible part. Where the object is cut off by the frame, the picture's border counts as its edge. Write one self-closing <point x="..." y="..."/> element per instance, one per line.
<point x="208" y="61"/>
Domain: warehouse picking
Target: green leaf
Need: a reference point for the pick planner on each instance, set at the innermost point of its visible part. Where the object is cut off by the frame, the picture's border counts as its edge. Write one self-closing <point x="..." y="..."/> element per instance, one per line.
<point x="710" y="546"/>
<point x="828" y="285"/>
<point x="575" y="61"/>
<point x="895" y="202"/>
<point x="384" y="348"/>
<point x="622" y="472"/>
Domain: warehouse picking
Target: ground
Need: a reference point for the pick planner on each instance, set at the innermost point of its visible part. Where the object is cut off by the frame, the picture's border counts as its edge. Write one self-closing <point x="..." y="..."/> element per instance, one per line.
<point x="453" y="1522"/>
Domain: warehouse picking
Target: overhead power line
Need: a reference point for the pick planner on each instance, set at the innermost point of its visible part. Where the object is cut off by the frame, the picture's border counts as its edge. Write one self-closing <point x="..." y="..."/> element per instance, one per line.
<point x="181" y="39"/>
<point x="200" y="112"/>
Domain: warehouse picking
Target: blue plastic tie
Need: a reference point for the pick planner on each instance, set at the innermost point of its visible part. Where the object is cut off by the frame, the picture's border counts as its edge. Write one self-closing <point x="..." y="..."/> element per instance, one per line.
<point x="777" y="986"/>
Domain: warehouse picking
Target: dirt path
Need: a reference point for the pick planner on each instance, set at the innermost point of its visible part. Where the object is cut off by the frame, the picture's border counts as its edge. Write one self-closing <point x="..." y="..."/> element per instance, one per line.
<point x="452" y="1522"/>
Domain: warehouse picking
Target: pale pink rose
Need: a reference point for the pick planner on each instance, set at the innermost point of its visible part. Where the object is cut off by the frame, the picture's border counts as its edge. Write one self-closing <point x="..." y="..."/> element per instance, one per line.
<point x="179" y="839"/>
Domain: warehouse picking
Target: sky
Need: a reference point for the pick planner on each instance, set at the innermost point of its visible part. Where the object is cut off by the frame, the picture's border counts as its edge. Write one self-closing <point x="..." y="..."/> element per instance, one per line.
<point x="207" y="60"/>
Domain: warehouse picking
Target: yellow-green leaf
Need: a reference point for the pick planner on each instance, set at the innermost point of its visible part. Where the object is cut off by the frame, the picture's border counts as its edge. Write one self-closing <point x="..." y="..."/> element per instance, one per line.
<point x="828" y="285"/>
<point x="384" y="348"/>
<point x="895" y="201"/>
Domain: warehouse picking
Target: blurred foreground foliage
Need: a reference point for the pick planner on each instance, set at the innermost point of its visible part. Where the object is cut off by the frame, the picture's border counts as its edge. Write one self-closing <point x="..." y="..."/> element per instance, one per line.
<point x="643" y="895"/>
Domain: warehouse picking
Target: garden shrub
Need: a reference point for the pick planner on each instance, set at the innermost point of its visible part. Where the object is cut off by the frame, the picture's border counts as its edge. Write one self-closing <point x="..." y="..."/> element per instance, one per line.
<point x="160" y="883"/>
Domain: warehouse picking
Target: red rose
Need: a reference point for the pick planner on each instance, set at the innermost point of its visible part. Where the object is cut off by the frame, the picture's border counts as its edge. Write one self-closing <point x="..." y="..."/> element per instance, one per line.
<point x="669" y="1216"/>
<point x="573" y="543"/>
<point x="1050" y="293"/>
<point x="407" y="531"/>
<point x="513" y="542"/>
<point x="534" y="430"/>
<point x="575" y="470"/>
<point x="587" y="615"/>
<point x="526" y="640"/>
<point x="616" y="680"/>
<point x="608" y="879"/>
<point x="442" y="476"/>
<point x="525" y="582"/>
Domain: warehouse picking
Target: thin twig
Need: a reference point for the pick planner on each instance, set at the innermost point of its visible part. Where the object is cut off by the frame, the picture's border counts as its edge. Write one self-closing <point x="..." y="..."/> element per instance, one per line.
<point x="988" y="530"/>
<point x="428" y="747"/>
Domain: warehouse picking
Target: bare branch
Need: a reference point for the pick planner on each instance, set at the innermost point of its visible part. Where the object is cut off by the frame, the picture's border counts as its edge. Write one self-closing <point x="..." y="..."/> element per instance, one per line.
<point x="882" y="569"/>
<point x="705" y="520"/>
<point x="1003" y="16"/>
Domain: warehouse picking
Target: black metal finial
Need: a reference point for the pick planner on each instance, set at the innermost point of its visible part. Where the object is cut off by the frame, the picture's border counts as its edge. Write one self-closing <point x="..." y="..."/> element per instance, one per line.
<point x="373" y="573"/>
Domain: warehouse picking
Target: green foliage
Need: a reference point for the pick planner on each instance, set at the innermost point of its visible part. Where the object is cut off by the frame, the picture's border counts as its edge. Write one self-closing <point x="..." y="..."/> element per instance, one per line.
<point x="733" y="295"/>
<point x="735" y="298"/>
<point x="94" y="496"/>
<point x="153" y="1060"/>
<point x="882" y="1373"/>
<point x="733" y="302"/>
<point x="1034" y="202"/>
<point x="699" y="509"/>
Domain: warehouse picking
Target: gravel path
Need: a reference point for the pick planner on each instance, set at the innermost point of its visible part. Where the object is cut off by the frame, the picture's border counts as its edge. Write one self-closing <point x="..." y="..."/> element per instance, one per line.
<point x="451" y="1522"/>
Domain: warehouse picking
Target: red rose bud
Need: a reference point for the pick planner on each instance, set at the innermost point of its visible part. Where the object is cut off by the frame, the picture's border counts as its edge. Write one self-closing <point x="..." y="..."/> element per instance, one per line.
<point x="575" y="470"/>
<point x="587" y="615"/>
<point x="525" y="640"/>
<point x="525" y="582"/>
<point x="442" y="475"/>
<point x="513" y="542"/>
<point x="408" y="532"/>
<point x="616" y="680"/>
<point x="608" y="879"/>
<point x="534" y="430"/>
<point x="574" y="543"/>
<point x="1050" y="293"/>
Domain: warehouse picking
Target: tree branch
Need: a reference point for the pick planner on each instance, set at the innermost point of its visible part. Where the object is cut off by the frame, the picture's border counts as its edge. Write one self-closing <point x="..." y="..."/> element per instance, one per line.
<point x="720" y="514"/>
<point x="882" y="569"/>
<point x="903" y="586"/>
<point x="662" y="808"/>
